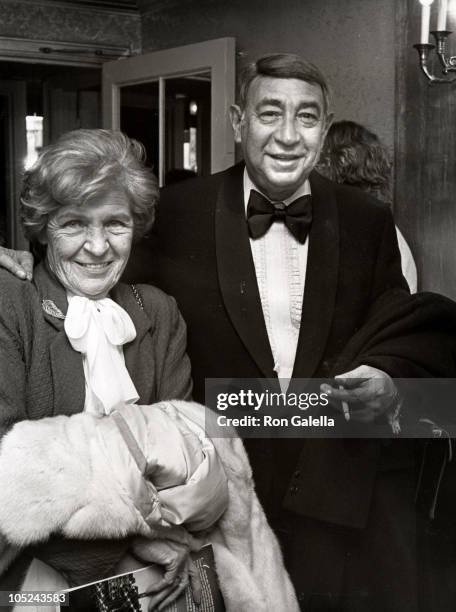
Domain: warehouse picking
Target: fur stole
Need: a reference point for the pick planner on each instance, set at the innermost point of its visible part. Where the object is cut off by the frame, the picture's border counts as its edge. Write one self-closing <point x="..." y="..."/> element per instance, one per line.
<point x="58" y="479"/>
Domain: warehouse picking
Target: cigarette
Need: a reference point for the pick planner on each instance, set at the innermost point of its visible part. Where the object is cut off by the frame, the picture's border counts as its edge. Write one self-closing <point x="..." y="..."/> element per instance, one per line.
<point x="345" y="408"/>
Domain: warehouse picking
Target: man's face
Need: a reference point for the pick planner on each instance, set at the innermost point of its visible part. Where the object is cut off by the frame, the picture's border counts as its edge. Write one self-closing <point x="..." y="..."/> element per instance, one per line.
<point x="281" y="130"/>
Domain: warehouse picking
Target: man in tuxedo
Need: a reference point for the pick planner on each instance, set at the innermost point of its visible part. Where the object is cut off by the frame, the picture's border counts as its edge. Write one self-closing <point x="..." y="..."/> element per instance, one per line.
<point x="277" y="271"/>
<point x="264" y="302"/>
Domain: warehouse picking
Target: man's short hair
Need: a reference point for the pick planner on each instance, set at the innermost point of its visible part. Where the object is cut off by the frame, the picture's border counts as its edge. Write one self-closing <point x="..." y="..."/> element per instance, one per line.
<point x="282" y="66"/>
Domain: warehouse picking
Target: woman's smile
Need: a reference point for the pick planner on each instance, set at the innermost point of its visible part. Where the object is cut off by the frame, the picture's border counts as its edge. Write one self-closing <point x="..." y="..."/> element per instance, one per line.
<point x="95" y="267"/>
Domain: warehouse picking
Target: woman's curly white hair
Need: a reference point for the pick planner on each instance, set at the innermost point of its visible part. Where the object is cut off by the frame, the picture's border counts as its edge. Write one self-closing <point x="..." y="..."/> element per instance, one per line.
<point x="81" y="165"/>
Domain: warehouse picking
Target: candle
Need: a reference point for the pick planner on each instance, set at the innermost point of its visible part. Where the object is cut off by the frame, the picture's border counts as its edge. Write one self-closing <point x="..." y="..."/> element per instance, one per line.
<point x="442" y="17"/>
<point x="425" y="20"/>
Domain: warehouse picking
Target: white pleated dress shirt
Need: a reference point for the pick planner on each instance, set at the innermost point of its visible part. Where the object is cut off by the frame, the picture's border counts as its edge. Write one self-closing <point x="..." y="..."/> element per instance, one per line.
<point x="280" y="266"/>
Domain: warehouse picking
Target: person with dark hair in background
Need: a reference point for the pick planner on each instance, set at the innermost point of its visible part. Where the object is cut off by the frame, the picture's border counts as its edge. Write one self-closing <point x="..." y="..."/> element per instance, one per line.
<point x="281" y="273"/>
<point x="355" y="156"/>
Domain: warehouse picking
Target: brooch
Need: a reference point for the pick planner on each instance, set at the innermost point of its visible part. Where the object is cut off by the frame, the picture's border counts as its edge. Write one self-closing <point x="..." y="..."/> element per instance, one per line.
<point x="51" y="309"/>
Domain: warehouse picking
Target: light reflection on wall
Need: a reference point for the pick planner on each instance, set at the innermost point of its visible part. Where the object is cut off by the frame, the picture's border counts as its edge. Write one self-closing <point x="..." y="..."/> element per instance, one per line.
<point x="34" y="127"/>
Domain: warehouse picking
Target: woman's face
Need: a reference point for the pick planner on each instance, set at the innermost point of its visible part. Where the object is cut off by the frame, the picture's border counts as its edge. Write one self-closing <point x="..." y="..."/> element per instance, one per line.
<point x="88" y="246"/>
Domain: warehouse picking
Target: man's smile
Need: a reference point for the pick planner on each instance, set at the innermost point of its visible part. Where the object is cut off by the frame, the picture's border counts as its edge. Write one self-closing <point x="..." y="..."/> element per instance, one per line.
<point x="285" y="156"/>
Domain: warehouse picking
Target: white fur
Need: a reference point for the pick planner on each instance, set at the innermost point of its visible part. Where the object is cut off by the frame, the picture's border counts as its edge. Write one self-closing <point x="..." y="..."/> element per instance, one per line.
<point x="57" y="479"/>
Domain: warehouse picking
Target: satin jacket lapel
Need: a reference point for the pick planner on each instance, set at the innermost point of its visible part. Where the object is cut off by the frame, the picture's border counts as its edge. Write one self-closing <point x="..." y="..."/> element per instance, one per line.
<point x="236" y="271"/>
<point x="66" y="363"/>
<point x="139" y="354"/>
<point x="321" y="279"/>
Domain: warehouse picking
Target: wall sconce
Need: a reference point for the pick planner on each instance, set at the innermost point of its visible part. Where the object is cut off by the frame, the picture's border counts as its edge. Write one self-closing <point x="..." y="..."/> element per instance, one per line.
<point x="440" y="35"/>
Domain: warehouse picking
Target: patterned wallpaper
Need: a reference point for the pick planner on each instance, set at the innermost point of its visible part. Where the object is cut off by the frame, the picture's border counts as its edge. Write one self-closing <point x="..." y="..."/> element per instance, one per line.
<point x="60" y="23"/>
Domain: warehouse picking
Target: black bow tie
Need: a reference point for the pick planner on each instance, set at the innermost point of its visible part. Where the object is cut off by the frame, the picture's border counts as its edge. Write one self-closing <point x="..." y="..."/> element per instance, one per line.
<point x="261" y="214"/>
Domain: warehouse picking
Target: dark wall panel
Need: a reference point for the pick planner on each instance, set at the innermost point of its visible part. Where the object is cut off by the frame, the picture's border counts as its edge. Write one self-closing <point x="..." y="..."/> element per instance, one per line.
<point x="425" y="205"/>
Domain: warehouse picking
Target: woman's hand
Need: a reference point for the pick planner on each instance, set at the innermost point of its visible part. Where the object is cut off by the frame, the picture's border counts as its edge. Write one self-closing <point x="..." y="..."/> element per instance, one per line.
<point x="179" y="570"/>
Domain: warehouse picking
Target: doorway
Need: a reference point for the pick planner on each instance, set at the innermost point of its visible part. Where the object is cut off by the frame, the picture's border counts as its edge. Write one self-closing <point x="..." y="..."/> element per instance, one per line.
<point x="187" y="124"/>
<point x="12" y="152"/>
<point x="38" y="103"/>
<point x="176" y="101"/>
<point x="3" y="165"/>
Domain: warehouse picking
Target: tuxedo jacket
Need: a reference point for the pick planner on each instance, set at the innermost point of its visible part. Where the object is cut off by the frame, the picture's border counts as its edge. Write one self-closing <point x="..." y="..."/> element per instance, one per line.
<point x="200" y="253"/>
<point x="41" y="375"/>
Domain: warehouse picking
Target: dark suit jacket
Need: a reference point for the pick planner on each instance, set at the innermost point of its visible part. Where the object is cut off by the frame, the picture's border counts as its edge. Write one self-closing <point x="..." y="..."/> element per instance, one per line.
<point x="200" y="253"/>
<point x="41" y="375"/>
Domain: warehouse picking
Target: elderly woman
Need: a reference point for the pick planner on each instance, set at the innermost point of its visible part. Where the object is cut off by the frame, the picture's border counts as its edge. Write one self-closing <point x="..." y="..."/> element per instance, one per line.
<point x="78" y="350"/>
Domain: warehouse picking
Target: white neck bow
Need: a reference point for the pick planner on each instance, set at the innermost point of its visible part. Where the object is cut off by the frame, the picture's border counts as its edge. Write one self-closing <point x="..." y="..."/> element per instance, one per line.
<point x="98" y="329"/>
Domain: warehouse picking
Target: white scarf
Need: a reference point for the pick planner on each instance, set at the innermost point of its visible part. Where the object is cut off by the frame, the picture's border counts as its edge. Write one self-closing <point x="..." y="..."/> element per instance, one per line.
<point x="98" y="329"/>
